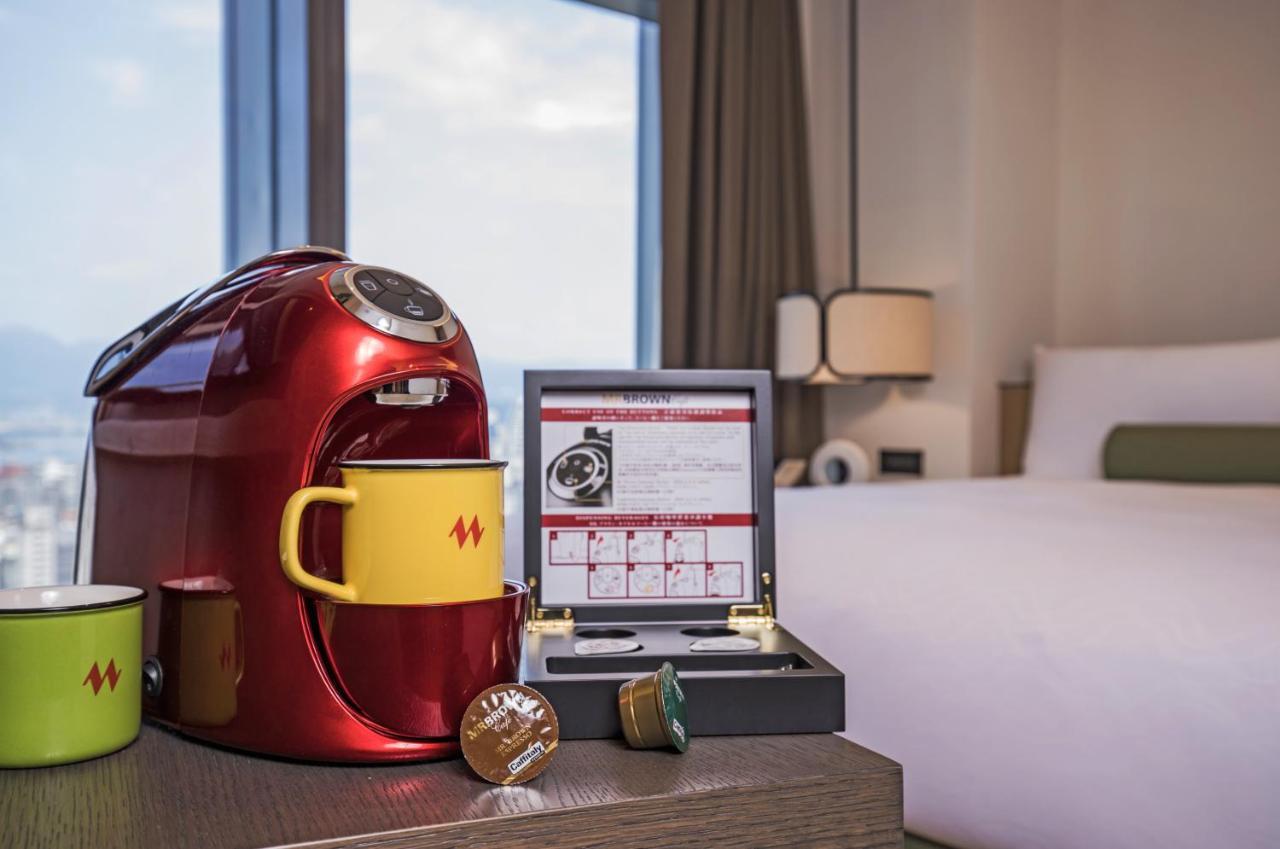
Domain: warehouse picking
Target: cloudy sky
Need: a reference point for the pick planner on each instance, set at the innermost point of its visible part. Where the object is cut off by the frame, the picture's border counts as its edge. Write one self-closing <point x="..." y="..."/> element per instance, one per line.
<point x="110" y="161"/>
<point x="491" y="153"/>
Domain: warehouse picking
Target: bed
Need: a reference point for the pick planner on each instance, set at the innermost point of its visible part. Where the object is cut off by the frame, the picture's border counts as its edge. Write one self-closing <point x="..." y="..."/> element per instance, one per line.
<point x="1056" y="662"/>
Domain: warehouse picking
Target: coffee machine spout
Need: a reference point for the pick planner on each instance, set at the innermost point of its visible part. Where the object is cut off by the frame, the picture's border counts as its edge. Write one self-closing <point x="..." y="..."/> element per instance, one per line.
<point x="412" y="393"/>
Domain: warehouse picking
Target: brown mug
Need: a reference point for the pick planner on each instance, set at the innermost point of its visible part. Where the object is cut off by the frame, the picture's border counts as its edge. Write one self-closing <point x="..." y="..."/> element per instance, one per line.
<point x="201" y="651"/>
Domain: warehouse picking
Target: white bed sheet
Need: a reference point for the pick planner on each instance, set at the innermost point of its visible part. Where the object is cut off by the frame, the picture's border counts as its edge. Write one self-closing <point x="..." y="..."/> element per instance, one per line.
<point x="1055" y="663"/>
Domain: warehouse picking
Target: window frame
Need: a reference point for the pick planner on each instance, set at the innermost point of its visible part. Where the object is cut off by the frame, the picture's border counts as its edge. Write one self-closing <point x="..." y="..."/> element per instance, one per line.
<point x="284" y="101"/>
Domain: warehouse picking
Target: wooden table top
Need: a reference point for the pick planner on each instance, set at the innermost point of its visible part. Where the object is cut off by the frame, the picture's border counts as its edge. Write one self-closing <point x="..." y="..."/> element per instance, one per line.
<point x="167" y="791"/>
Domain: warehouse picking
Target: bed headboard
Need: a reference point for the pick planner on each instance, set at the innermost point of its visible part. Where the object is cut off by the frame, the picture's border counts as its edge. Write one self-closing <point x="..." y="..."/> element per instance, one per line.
<point x="1015" y="419"/>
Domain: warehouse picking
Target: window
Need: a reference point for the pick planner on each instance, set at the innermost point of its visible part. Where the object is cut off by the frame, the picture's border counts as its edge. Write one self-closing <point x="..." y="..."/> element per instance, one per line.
<point x="111" y="174"/>
<point x="497" y="149"/>
<point x="493" y="153"/>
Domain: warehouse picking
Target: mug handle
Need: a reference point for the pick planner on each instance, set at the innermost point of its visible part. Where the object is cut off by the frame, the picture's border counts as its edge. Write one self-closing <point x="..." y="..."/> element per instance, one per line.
<point x="290" y="523"/>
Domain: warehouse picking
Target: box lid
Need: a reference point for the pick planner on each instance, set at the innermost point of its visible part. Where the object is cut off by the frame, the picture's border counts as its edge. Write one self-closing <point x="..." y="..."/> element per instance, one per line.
<point x="648" y="495"/>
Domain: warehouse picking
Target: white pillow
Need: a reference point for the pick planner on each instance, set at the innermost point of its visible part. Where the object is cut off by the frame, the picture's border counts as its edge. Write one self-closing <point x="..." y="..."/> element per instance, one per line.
<point x="1080" y="394"/>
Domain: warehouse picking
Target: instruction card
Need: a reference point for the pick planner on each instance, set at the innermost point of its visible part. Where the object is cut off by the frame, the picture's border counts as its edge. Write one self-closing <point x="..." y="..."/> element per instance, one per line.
<point x="648" y="497"/>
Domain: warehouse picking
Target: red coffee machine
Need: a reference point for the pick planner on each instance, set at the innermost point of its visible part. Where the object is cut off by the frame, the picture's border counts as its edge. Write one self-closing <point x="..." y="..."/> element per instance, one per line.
<point x="209" y="416"/>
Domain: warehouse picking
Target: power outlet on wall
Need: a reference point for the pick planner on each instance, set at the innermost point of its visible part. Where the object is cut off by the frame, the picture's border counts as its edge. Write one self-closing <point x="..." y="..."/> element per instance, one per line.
<point x="903" y="462"/>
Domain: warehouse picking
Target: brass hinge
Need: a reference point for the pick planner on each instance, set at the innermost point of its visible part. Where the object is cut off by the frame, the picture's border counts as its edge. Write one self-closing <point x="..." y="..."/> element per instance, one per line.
<point x="755" y="614"/>
<point x="546" y="618"/>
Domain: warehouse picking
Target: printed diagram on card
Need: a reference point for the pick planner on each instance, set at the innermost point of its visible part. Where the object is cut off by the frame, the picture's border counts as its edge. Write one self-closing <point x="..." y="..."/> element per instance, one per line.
<point x="648" y="496"/>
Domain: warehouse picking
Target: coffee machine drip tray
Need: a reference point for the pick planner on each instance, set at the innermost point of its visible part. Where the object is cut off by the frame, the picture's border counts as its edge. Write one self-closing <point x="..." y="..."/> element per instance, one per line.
<point x="414" y="668"/>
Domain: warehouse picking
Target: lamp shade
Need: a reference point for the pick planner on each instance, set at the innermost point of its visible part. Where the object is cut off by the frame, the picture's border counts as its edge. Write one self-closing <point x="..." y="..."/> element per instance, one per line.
<point x="799" y="336"/>
<point x="857" y="335"/>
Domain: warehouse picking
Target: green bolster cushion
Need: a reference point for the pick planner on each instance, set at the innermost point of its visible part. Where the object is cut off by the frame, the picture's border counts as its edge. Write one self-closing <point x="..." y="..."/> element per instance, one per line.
<point x="1193" y="453"/>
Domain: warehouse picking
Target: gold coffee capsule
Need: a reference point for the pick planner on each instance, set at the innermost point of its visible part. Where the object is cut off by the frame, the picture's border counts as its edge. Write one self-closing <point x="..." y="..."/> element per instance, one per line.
<point x="509" y="734"/>
<point x="652" y="710"/>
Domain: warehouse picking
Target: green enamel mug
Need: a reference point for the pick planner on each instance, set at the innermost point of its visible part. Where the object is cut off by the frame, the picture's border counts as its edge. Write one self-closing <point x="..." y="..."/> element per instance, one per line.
<point x="70" y="672"/>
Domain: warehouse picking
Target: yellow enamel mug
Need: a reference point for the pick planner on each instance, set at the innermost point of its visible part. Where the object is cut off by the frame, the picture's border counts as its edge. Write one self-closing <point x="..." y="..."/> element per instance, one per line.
<point x="413" y="532"/>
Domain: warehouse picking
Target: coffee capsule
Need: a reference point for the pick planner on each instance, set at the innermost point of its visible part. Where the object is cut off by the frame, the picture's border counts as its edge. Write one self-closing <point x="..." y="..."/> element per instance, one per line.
<point x="509" y="734"/>
<point x="652" y="710"/>
<point x="605" y="646"/>
<point x="724" y="644"/>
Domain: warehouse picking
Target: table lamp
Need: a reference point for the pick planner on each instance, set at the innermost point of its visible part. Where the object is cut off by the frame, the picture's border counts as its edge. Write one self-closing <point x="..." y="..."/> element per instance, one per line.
<point x="855" y="336"/>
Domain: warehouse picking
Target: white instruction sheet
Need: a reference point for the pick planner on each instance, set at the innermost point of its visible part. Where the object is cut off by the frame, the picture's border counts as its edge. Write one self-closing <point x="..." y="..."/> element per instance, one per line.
<point x="648" y="497"/>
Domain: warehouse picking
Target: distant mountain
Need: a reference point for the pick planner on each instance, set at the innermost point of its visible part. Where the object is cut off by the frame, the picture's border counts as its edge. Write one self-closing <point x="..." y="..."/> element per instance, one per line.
<point x="36" y="370"/>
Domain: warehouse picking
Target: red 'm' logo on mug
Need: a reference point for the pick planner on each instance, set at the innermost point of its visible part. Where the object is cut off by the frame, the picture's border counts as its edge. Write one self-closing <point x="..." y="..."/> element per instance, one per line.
<point x="96" y="678"/>
<point x="461" y="531"/>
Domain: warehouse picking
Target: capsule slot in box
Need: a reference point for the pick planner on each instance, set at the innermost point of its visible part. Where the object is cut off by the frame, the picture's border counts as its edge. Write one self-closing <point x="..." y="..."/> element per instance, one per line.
<point x="754" y="662"/>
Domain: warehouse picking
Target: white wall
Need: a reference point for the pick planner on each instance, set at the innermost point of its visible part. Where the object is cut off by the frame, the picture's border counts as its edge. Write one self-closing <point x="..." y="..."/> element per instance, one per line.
<point x="1060" y="171"/>
<point x="956" y="166"/>
<point x="1170" y="189"/>
<point x="1014" y="214"/>
<point x="913" y="197"/>
<point x="824" y="29"/>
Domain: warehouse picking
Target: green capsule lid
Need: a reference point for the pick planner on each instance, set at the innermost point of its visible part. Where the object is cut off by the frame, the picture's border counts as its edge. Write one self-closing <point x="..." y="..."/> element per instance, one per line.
<point x="675" y="717"/>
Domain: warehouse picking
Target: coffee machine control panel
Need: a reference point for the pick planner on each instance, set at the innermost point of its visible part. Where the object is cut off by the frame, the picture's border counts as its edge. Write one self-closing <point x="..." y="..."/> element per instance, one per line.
<point x="393" y="303"/>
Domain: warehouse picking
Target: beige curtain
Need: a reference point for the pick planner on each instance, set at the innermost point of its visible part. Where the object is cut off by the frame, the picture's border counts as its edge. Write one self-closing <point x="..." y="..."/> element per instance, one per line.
<point x="736" y="217"/>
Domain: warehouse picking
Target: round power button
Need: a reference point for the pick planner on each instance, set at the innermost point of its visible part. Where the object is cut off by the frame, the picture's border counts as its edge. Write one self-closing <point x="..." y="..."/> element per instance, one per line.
<point x="392" y="282"/>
